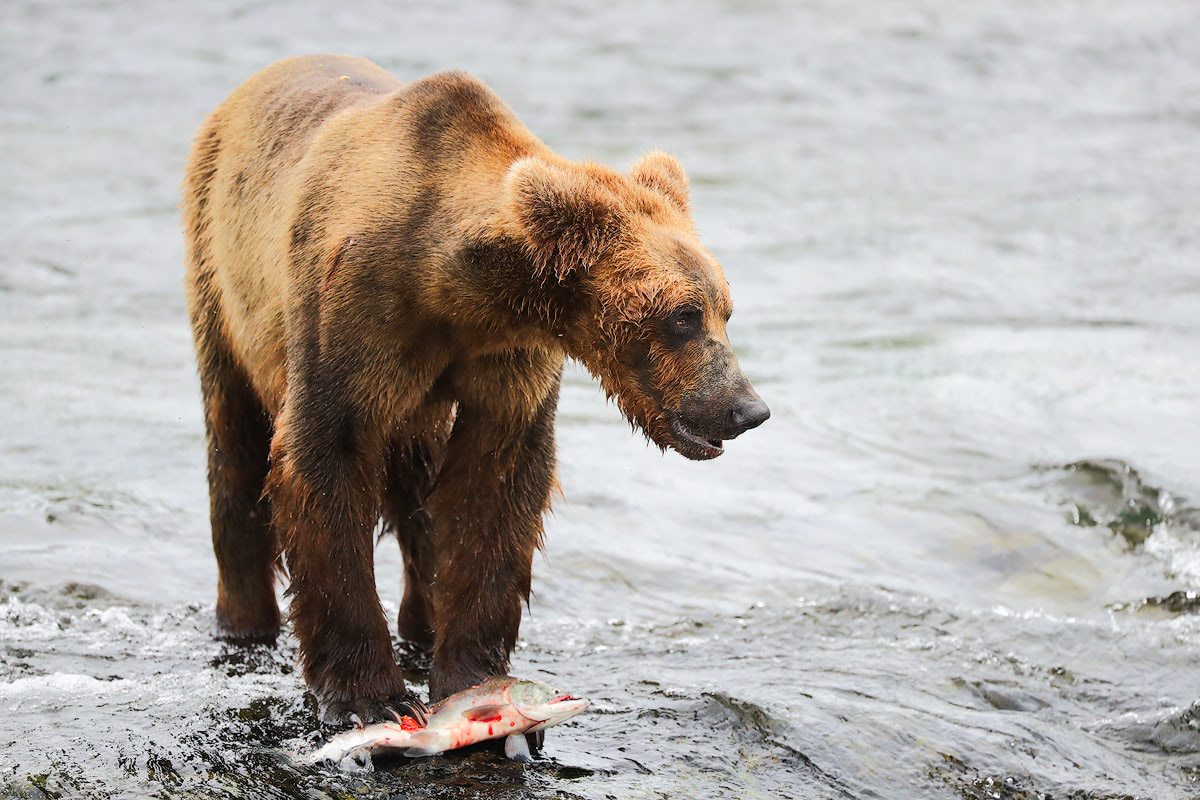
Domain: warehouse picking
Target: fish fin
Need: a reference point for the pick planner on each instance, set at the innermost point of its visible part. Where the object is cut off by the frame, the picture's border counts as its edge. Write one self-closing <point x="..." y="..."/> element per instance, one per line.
<point x="420" y="752"/>
<point x="422" y="744"/>
<point x="484" y="713"/>
<point x="516" y="748"/>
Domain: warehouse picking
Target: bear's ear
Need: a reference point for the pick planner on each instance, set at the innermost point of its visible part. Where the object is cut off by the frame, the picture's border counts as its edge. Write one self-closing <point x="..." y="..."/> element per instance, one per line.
<point x="567" y="217"/>
<point x="660" y="172"/>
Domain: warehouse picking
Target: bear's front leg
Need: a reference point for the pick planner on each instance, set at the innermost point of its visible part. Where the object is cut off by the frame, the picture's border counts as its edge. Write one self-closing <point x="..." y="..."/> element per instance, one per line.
<point x="325" y="487"/>
<point x="487" y="508"/>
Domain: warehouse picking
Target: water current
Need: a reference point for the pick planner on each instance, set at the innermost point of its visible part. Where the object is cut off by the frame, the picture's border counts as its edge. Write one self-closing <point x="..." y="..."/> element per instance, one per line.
<point x="962" y="560"/>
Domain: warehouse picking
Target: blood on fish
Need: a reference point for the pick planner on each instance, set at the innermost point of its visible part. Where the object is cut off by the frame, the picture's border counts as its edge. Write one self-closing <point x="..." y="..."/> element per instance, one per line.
<point x="456" y="721"/>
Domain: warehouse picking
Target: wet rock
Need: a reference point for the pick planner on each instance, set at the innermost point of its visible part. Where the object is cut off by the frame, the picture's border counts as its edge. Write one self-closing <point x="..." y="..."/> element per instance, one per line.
<point x="1174" y="604"/>
<point x="1112" y="494"/>
<point x="971" y="784"/>
<point x="1010" y="698"/>
<point x="1176" y="733"/>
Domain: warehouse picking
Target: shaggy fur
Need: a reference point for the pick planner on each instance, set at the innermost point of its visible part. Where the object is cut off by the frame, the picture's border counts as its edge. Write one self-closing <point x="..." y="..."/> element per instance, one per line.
<point x="383" y="281"/>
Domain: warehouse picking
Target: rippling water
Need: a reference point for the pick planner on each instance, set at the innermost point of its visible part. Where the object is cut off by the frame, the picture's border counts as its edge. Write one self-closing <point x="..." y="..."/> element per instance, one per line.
<point x="962" y="560"/>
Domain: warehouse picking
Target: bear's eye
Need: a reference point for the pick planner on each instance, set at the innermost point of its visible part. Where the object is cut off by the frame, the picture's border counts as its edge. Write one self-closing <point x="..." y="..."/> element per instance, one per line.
<point x="683" y="325"/>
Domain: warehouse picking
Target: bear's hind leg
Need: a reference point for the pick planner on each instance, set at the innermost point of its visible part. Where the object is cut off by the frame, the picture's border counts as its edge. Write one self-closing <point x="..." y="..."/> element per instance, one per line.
<point x="237" y="427"/>
<point x="239" y="436"/>
<point x="411" y="471"/>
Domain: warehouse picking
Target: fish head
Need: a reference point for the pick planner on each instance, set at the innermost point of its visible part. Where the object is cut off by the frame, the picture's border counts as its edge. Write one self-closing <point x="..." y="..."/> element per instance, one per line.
<point x="543" y="704"/>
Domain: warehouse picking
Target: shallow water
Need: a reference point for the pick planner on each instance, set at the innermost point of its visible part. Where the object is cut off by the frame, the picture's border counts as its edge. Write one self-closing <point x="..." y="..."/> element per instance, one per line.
<point x="962" y="560"/>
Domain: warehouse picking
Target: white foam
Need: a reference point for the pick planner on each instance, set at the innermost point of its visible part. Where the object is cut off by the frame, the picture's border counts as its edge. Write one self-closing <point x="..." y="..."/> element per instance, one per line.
<point x="73" y="685"/>
<point x="23" y="622"/>
<point x="116" y="620"/>
<point x="1180" y="557"/>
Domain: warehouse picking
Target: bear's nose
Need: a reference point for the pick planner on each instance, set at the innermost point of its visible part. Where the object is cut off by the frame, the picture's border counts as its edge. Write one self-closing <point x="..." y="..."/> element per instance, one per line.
<point x="746" y="413"/>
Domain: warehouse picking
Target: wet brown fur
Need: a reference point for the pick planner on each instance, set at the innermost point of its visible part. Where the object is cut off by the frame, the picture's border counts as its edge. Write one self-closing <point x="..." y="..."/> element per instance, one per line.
<point x="383" y="281"/>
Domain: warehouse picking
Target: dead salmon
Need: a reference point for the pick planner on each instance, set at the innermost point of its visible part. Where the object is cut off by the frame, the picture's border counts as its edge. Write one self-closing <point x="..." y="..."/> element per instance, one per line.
<point x="498" y="708"/>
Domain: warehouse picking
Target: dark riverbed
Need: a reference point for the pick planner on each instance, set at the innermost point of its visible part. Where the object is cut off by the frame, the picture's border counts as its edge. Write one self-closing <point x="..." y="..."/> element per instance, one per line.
<point x="962" y="560"/>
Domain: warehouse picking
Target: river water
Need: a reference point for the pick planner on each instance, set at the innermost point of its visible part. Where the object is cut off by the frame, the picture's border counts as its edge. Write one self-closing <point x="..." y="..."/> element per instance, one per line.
<point x="962" y="560"/>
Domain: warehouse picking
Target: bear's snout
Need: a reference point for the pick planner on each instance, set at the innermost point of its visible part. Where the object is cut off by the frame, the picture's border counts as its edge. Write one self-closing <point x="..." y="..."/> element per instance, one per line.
<point x="747" y="412"/>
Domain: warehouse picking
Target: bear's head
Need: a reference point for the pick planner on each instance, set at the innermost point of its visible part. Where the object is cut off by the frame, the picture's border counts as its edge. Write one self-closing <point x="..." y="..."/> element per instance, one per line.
<point x="635" y="298"/>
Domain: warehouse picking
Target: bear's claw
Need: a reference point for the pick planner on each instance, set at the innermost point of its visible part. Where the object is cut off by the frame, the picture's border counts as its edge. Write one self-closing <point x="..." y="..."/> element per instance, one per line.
<point x="339" y="715"/>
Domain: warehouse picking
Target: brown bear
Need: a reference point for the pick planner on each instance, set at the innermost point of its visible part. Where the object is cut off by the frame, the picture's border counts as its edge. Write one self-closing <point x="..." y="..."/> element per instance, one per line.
<point x="383" y="281"/>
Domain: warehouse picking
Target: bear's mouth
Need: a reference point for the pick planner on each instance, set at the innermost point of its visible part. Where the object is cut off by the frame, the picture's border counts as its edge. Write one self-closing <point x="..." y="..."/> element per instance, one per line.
<point x="691" y="445"/>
